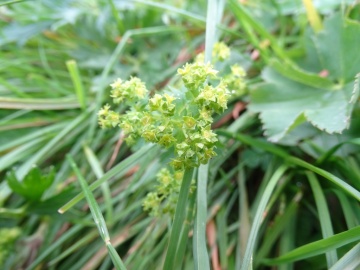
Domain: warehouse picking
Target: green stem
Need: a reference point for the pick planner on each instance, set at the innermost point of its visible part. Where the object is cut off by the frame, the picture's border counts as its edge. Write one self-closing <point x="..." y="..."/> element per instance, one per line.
<point x="179" y="220"/>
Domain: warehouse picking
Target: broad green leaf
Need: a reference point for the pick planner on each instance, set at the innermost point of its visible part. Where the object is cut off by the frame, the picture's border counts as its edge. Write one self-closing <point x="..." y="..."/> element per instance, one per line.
<point x="337" y="48"/>
<point x="284" y="104"/>
<point x="287" y="100"/>
<point x="33" y="185"/>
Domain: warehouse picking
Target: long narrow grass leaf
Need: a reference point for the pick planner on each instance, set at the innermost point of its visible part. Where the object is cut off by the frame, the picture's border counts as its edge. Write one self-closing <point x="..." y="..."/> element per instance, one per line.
<point x="348" y="211"/>
<point x="293" y="160"/>
<point x="12" y="2"/>
<point x="278" y="227"/>
<point x="313" y="16"/>
<point x="179" y="219"/>
<point x="162" y="6"/>
<point x="115" y="14"/>
<point x="94" y="207"/>
<point x="41" y="154"/>
<point x="243" y="15"/>
<point x="78" y="85"/>
<point x="185" y="232"/>
<point x="210" y="35"/>
<point x="63" y="238"/>
<point x="97" y="215"/>
<point x="244" y="214"/>
<point x="201" y="256"/>
<point x="118" y="170"/>
<point x="222" y="238"/>
<point x="118" y="263"/>
<point x="98" y="171"/>
<point x="247" y="260"/>
<point x="318" y="247"/>
<point x="324" y="215"/>
<point x="38" y="103"/>
<point x="351" y="260"/>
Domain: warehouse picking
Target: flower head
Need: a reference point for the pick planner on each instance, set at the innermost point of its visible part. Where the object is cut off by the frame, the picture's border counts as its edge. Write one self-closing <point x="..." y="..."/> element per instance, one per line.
<point x="129" y="91"/>
<point x="221" y="51"/>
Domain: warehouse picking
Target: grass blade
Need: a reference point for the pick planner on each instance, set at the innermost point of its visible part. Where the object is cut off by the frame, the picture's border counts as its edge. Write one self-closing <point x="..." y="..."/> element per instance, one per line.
<point x="189" y="15"/>
<point x="179" y="219"/>
<point x="279" y="225"/>
<point x="97" y="215"/>
<point x="313" y="16"/>
<point x="185" y="232"/>
<point x="222" y="237"/>
<point x="293" y="160"/>
<point x="38" y="103"/>
<point x="324" y="216"/>
<point x="201" y="256"/>
<point x="98" y="171"/>
<point x="243" y="16"/>
<point x="115" y="14"/>
<point x="244" y="215"/>
<point x="351" y="260"/>
<point x="12" y="2"/>
<point x="210" y="36"/>
<point x="118" y="170"/>
<point x="75" y="77"/>
<point x="318" y="247"/>
<point x="57" y="244"/>
<point x="349" y="213"/>
<point x="247" y="260"/>
<point x="23" y="170"/>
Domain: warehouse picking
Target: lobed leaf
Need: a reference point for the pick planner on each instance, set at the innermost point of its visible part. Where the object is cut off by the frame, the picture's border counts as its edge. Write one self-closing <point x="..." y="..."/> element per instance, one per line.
<point x="287" y="100"/>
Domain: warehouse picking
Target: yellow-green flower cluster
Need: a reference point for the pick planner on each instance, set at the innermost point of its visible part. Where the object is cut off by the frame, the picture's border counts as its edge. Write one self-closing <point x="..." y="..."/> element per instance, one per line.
<point x="183" y="123"/>
<point x="108" y="118"/>
<point x="129" y="91"/>
<point x="236" y="80"/>
<point x="164" y="199"/>
<point x="194" y="75"/>
<point x="220" y="51"/>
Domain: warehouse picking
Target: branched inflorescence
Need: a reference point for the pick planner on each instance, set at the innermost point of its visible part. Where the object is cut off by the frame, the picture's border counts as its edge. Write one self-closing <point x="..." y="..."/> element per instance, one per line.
<point x="167" y="189"/>
<point x="179" y="121"/>
<point x="169" y="121"/>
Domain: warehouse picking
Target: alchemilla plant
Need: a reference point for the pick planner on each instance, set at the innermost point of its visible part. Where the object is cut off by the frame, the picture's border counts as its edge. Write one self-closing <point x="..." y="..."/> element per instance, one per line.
<point x="169" y="120"/>
<point x="180" y="120"/>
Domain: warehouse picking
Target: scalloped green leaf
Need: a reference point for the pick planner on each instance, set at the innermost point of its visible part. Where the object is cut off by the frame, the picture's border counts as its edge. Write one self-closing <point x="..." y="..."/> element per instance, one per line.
<point x="290" y="96"/>
<point x="284" y="104"/>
